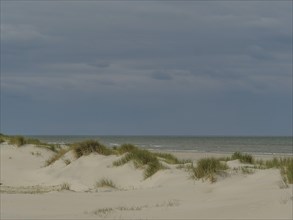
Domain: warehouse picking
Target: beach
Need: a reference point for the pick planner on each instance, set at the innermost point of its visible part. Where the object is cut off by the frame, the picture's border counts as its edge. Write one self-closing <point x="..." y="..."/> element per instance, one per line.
<point x="70" y="188"/>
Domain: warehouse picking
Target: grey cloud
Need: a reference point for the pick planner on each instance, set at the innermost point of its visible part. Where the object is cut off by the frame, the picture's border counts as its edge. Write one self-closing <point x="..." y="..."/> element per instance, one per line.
<point x="159" y="75"/>
<point x="117" y="51"/>
<point x="20" y="33"/>
<point x="100" y="64"/>
<point x="259" y="53"/>
<point x="70" y="68"/>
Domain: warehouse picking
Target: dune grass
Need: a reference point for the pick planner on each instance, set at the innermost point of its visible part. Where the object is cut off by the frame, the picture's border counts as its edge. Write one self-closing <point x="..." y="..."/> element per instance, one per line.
<point x="57" y="156"/>
<point x="103" y="212"/>
<point x="17" y="140"/>
<point x="125" y="148"/>
<point x="152" y="168"/>
<point x="247" y="170"/>
<point x="244" y="158"/>
<point x="67" y="161"/>
<point x="207" y="168"/>
<point x="21" y="140"/>
<point x="2" y="138"/>
<point x="53" y="147"/>
<point x="141" y="159"/>
<point x="106" y="183"/>
<point x="168" y="158"/>
<point x="38" y="143"/>
<point x="81" y="149"/>
<point x="90" y="146"/>
<point x="65" y="186"/>
<point x="284" y="164"/>
<point x="288" y="171"/>
<point x="139" y="156"/>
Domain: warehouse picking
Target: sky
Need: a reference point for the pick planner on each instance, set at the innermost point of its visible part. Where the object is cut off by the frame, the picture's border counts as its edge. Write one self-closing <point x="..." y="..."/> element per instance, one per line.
<point x="146" y="67"/>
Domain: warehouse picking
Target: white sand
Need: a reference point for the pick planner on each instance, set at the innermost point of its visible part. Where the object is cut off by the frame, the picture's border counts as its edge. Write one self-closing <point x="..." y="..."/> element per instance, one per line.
<point x="31" y="191"/>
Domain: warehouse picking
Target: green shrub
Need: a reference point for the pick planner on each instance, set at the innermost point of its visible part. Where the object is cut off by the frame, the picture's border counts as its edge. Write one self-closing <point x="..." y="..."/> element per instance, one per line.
<point x="207" y="168"/>
<point x="244" y="158"/>
<point x="90" y="146"/>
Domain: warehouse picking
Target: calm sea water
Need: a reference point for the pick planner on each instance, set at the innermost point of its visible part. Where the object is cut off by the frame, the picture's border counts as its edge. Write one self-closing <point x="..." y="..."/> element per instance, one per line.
<point x="266" y="145"/>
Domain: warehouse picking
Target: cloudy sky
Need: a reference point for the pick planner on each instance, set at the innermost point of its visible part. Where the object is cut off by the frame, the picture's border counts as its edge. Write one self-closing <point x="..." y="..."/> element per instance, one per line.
<point x="146" y="67"/>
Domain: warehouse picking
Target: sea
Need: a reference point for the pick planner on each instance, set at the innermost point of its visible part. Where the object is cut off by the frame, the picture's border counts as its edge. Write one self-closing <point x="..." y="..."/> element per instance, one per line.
<point x="216" y="144"/>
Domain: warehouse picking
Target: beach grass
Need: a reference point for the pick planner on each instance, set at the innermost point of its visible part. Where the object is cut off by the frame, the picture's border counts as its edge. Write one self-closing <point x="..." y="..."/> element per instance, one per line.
<point x="244" y="158"/>
<point x="2" y="138"/>
<point x="67" y="161"/>
<point x="79" y="149"/>
<point x="207" y="168"/>
<point x="17" y="140"/>
<point x="57" y="156"/>
<point x="247" y="170"/>
<point x="141" y="158"/>
<point x="90" y="146"/>
<point x="289" y="171"/>
<point x="106" y="183"/>
<point x="65" y="186"/>
<point x="125" y="148"/>
<point x="284" y="164"/>
<point x="152" y="168"/>
<point x="168" y="158"/>
<point x="103" y="212"/>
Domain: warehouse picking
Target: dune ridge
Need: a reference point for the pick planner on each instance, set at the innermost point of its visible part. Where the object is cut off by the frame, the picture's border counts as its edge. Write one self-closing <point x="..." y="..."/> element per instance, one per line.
<point x="91" y="186"/>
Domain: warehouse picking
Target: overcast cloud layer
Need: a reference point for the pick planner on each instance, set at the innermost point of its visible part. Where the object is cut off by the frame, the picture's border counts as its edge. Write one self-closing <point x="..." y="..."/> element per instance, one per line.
<point x="131" y="68"/>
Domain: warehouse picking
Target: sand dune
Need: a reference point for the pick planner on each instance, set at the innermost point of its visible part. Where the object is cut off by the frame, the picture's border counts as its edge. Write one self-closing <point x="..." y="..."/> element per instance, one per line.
<point x="29" y="190"/>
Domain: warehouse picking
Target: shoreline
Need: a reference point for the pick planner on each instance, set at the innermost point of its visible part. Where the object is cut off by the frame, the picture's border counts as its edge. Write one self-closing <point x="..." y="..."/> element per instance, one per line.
<point x="183" y="154"/>
<point x="217" y="144"/>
